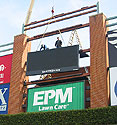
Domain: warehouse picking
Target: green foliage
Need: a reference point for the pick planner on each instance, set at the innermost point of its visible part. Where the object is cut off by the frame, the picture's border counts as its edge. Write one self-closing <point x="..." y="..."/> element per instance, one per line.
<point x="106" y="115"/>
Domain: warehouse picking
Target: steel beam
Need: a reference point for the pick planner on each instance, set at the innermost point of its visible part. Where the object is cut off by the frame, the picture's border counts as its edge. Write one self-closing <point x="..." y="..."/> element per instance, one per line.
<point x="98" y="7"/>
<point x="113" y="24"/>
<point x="57" y="31"/>
<point x="59" y="78"/>
<point x="61" y="15"/>
<point x="111" y="18"/>
<point x="6" y="50"/>
<point x="60" y="20"/>
<point x="6" y="44"/>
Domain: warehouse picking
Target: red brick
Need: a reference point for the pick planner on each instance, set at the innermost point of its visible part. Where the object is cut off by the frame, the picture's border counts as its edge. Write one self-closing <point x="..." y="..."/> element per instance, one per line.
<point x="18" y="74"/>
<point x="99" y="62"/>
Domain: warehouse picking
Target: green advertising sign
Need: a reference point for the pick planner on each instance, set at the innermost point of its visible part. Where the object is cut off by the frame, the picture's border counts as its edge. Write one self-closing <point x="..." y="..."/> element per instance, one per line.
<point x="58" y="97"/>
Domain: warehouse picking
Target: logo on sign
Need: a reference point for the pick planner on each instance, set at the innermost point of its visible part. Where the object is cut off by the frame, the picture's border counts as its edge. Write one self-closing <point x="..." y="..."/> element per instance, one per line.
<point x="4" y="95"/>
<point x="115" y="88"/>
<point x="58" y="97"/>
<point x="3" y="105"/>
<point x="50" y="94"/>
<point x="2" y="67"/>
<point x="51" y="70"/>
<point x="43" y="98"/>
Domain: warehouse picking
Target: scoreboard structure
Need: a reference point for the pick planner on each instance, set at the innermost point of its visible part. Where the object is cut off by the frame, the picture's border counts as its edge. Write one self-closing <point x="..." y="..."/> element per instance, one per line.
<point x="62" y="59"/>
<point x="99" y="63"/>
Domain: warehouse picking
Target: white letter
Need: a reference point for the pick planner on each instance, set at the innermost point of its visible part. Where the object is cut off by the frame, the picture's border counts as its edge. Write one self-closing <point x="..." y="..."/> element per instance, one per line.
<point x="55" y="107"/>
<point x="52" y="94"/>
<point x="36" y="98"/>
<point x="63" y="97"/>
<point x="2" y="97"/>
<point x="0" y="68"/>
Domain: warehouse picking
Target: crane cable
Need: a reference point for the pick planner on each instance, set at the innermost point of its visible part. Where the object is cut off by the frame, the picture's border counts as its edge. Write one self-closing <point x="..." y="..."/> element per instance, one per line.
<point x="43" y="35"/>
<point x="47" y="28"/>
<point x="56" y="25"/>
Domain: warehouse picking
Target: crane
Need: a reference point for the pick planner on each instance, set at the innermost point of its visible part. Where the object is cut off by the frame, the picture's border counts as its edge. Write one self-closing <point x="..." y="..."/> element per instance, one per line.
<point x="28" y="15"/>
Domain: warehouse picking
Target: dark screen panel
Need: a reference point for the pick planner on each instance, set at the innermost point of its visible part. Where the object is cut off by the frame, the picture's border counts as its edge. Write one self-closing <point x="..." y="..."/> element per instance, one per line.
<point x="112" y="55"/>
<point x="53" y="60"/>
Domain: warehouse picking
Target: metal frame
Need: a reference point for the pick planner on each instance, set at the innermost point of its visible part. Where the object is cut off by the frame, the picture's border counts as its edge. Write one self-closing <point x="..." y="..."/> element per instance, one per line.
<point x="111" y="18"/>
<point x="58" y="20"/>
<point x="57" y="32"/>
<point x="4" y="45"/>
<point x="61" y="15"/>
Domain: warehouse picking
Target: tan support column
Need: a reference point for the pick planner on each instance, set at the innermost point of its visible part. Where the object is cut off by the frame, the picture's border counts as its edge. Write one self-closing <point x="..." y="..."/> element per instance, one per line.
<point x="99" y="62"/>
<point x="18" y="74"/>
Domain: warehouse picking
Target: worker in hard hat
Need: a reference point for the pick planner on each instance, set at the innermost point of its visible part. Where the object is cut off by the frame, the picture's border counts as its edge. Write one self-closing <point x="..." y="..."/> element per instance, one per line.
<point x="43" y="47"/>
<point x="58" y="43"/>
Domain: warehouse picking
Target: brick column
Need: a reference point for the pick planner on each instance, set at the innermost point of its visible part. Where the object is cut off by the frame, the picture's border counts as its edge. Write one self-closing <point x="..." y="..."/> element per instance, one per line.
<point x="18" y="74"/>
<point x="99" y="62"/>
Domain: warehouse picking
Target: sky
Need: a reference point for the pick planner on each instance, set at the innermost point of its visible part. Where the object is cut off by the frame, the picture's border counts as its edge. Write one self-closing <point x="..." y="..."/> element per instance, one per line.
<point x="13" y="14"/>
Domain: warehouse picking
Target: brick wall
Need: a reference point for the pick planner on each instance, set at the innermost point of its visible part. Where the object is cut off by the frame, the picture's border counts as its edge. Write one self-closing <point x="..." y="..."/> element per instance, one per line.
<point x="99" y="62"/>
<point x="18" y="74"/>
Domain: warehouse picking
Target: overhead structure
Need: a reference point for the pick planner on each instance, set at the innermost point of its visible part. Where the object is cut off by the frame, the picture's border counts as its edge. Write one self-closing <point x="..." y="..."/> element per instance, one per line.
<point x="62" y="17"/>
<point x="58" y="20"/>
<point x="79" y="26"/>
<point x="62" y="14"/>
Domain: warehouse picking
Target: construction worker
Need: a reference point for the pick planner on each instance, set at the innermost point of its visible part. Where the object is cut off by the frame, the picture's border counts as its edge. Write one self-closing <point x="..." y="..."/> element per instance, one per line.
<point x="43" y="47"/>
<point x="58" y="43"/>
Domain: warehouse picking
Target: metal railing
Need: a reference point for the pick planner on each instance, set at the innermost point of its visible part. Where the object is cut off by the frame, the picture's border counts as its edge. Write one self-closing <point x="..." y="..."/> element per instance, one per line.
<point x="111" y="18"/>
<point x="6" y="50"/>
